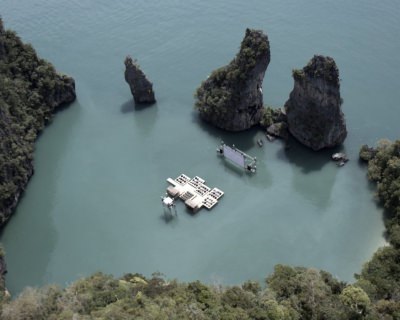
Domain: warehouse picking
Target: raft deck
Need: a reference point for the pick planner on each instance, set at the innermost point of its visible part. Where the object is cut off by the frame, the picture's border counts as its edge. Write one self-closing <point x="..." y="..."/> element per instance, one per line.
<point x="194" y="192"/>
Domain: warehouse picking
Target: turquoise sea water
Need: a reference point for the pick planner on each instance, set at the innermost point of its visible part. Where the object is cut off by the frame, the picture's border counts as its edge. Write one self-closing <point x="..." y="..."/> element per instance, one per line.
<point x="100" y="167"/>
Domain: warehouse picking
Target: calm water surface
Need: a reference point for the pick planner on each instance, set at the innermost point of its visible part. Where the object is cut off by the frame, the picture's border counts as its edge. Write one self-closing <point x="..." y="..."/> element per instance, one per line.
<point x="100" y="167"/>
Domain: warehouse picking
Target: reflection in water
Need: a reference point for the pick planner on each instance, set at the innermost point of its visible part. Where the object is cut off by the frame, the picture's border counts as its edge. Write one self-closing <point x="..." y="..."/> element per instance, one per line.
<point x="168" y="217"/>
<point x="315" y="189"/>
<point x="305" y="158"/>
<point x="128" y="106"/>
<point x="230" y="167"/>
<point x="145" y="115"/>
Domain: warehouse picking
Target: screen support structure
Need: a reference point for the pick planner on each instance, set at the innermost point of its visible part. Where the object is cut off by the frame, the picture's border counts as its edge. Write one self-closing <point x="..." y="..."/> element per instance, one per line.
<point x="238" y="157"/>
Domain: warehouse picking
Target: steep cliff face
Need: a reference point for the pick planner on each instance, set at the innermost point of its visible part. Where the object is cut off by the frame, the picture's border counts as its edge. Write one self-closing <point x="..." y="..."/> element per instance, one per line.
<point x="3" y="272"/>
<point x="313" y="110"/>
<point x="274" y="121"/>
<point x="141" y="87"/>
<point x="30" y="92"/>
<point x="231" y="98"/>
<point x="2" y="45"/>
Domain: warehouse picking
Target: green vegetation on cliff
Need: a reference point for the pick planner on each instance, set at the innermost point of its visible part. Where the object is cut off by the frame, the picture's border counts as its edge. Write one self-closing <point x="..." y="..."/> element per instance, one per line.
<point x="231" y="97"/>
<point x="270" y="116"/>
<point x="30" y="91"/>
<point x="320" y="68"/>
<point x="253" y="48"/>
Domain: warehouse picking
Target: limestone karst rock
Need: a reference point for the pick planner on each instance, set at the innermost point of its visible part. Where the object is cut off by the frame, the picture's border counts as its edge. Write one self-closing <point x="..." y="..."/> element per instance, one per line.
<point x="3" y="272"/>
<point x="274" y="121"/>
<point x="141" y="87"/>
<point x="314" y="113"/>
<point x="279" y="130"/>
<point x="2" y="44"/>
<point x="31" y="90"/>
<point x="63" y="91"/>
<point x="231" y="98"/>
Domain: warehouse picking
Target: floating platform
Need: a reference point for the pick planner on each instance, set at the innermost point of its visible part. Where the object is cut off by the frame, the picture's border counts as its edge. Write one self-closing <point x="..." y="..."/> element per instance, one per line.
<point x="194" y="192"/>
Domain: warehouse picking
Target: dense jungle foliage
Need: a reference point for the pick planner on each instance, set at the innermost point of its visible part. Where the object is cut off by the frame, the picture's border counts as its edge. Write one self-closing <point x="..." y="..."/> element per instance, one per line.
<point x="381" y="276"/>
<point x="30" y="90"/>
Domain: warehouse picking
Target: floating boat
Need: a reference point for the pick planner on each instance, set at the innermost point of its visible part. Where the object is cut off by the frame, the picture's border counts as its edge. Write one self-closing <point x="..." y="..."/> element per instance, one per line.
<point x="341" y="159"/>
<point x="339" y="156"/>
<point x="341" y="163"/>
<point x="269" y="137"/>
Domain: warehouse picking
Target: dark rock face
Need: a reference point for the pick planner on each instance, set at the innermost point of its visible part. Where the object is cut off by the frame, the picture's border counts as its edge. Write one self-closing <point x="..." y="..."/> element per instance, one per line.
<point x="2" y="45"/>
<point x="274" y="121"/>
<point x="313" y="110"/>
<point x="279" y="129"/>
<point x="231" y="98"/>
<point x="3" y="271"/>
<point x="141" y="87"/>
<point x="63" y="92"/>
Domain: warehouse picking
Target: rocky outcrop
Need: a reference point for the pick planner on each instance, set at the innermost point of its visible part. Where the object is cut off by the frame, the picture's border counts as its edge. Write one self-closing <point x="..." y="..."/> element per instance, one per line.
<point x="3" y="271"/>
<point x="279" y="129"/>
<point x="274" y="121"/>
<point x="313" y="110"/>
<point x="231" y="98"/>
<point x="62" y="93"/>
<point x="30" y="92"/>
<point x="141" y="87"/>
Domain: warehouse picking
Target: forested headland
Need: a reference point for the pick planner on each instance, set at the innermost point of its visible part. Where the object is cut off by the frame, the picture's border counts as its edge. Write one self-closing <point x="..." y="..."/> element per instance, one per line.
<point x="30" y="92"/>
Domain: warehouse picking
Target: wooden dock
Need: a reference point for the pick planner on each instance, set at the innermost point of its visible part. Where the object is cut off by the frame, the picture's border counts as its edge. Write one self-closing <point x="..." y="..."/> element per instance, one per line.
<point x="194" y="192"/>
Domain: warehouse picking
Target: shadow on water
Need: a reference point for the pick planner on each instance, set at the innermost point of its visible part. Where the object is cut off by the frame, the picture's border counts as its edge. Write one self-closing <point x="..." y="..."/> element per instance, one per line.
<point x="169" y="217"/>
<point x="131" y="106"/>
<point x="231" y="167"/>
<point x="317" y="174"/>
<point x="39" y="234"/>
<point x="306" y="159"/>
<point x="191" y="213"/>
<point x="145" y="114"/>
<point x="128" y="106"/>
<point x="371" y="186"/>
<point x="243" y="140"/>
